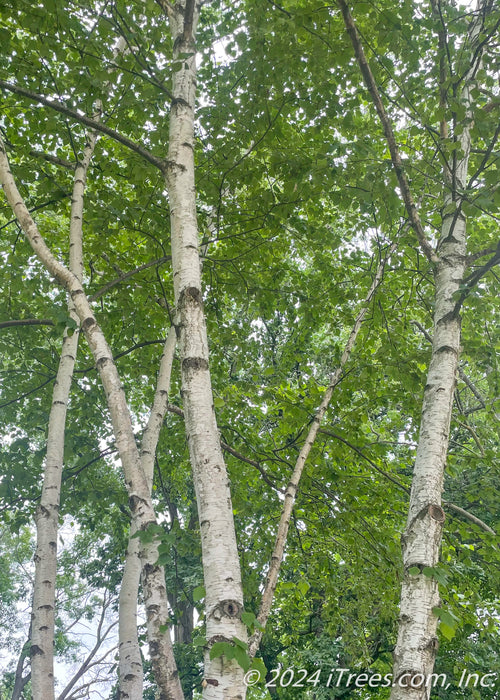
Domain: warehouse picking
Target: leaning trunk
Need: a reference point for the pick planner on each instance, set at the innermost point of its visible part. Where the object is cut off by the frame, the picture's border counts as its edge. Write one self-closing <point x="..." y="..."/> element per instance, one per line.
<point x="224" y="597"/>
<point x="153" y="578"/>
<point x="130" y="675"/>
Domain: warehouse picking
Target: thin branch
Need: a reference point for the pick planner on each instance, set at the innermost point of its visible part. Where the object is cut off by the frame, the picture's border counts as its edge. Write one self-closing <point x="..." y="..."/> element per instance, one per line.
<point x="389" y="134"/>
<point x="167" y="7"/>
<point x="83" y="119"/>
<point x="485" y="159"/>
<point x="127" y="275"/>
<point x="52" y="159"/>
<point x="461" y="373"/>
<point x="473" y="519"/>
<point x="293" y="484"/>
<point x="27" y="393"/>
<point x="230" y="450"/>
<point x="473" y="279"/>
<point x="359" y="452"/>
<point x="481" y="254"/>
<point x="87" y="663"/>
<point x="39" y="206"/>
<point x="137" y="346"/>
<point x="27" y="322"/>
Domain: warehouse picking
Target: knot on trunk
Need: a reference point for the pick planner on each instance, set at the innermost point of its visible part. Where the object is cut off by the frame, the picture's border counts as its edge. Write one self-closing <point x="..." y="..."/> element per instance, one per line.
<point x="190" y="295"/>
<point x="436" y="513"/>
<point x="227" y="608"/>
<point x="411" y="679"/>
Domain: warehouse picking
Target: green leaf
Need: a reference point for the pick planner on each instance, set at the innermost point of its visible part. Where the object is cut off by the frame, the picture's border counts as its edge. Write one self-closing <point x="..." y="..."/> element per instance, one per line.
<point x="303" y="586"/>
<point x="242" y="658"/>
<point x="199" y="593"/>
<point x="221" y="649"/>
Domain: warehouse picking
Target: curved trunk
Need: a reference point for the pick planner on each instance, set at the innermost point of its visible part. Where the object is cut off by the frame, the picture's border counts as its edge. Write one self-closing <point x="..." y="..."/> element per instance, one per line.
<point x="143" y="514"/>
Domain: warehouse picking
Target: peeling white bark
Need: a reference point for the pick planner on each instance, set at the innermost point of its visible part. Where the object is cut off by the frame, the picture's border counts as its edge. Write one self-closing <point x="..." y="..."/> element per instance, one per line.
<point x="224" y="595"/>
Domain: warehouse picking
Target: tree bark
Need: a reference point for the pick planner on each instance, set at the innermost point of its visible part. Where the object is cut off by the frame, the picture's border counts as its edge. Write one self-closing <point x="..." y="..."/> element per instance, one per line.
<point x="130" y="683"/>
<point x="143" y="514"/>
<point x="224" y="594"/>
<point x="47" y="512"/>
<point x="417" y="642"/>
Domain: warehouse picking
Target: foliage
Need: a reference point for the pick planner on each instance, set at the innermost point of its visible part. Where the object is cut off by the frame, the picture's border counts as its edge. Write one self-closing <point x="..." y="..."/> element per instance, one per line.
<point x="296" y="201"/>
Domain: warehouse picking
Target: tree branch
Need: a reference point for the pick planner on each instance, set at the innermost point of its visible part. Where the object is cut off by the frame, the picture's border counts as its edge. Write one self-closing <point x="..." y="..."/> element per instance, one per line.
<point x="389" y="134"/>
<point x="39" y="206"/>
<point x="473" y="279"/>
<point x="127" y="275"/>
<point x="293" y="484"/>
<point x="473" y="519"/>
<point x="167" y="7"/>
<point x="83" y="119"/>
<point x="27" y="322"/>
<point x="230" y="450"/>
<point x="469" y="516"/>
<point x="461" y="373"/>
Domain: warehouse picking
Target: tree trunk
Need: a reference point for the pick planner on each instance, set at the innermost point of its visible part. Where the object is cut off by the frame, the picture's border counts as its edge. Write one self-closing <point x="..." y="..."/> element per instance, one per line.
<point x="155" y="597"/>
<point x="130" y="683"/>
<point x="47" y="512"/>
<point x="224" y="595"/>
<point x="417" y="642"/>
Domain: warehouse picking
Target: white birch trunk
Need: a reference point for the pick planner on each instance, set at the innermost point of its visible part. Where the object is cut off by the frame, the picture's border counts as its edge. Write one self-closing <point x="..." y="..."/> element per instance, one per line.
<point x="417" y="641"/>
<point x="153" y="578"/>
<point x="224" y="595"/>
<point x="130" y="675"/>
<point x="47" y="513"/>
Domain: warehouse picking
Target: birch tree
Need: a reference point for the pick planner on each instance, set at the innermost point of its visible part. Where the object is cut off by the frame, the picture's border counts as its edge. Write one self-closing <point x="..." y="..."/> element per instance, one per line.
<point x="294" y="205"/>
<point x="416" y="648"/>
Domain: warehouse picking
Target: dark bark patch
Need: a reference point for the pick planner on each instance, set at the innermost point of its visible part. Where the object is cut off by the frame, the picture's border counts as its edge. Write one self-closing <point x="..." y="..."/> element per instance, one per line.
<point x="191" y="294"/>
<point x="35" y="650"/>
<point x="195" y="363"/>
<point x="447" y="348"/>
<point x="433" y="644"/>
<point x="437" y="513"/>
<point x="134" y="501"/>
<point x="227" y="608"/>
<point x="102" y="362"/>
<point x="88" y="323"/>
<point x="211" y="681"/>
<point x="218" y="638"/>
